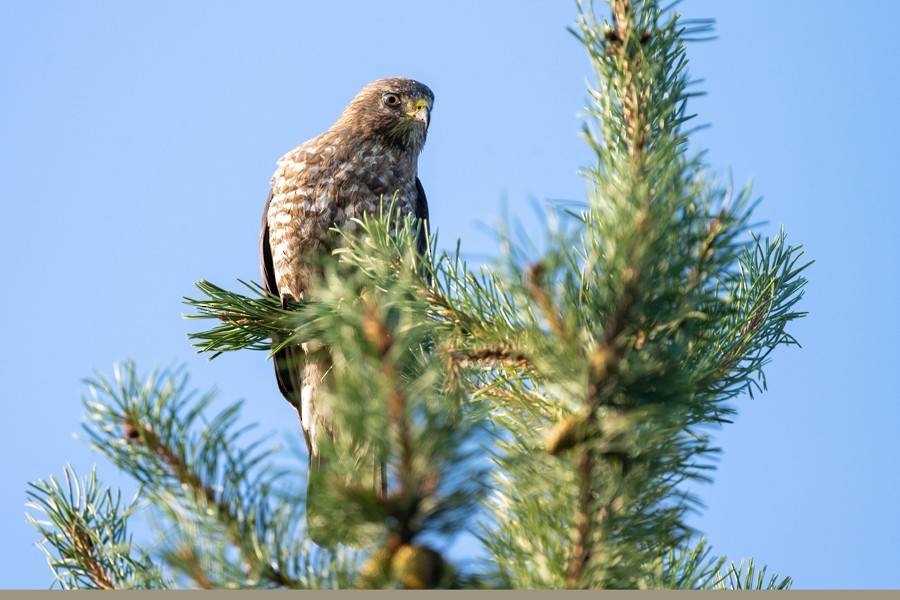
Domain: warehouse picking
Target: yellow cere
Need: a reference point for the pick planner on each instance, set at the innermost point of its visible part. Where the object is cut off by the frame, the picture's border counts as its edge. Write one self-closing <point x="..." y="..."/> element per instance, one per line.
<point x="420" y="104"/>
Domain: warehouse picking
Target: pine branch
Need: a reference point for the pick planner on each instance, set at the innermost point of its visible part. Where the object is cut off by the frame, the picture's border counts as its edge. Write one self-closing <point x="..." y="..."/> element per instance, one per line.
<point x="245" y="322"/>
<point x="373" y="316"/>
<point x="195" y="471"/>
<point x="86" y="538"/>
<point x="746" y="576"/>
<point x="691" y="567"/>
<point x="658" y="315"/>
<point x="466" y="311"/>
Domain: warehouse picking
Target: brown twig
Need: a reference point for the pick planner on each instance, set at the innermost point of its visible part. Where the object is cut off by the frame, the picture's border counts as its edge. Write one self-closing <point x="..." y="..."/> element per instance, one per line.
<point x="86" y="557"/>
<point x="195" y="569"/>
<point x="405" y="500"/>
<point x="500" y="354"/>
<point x="581" y="553"/>
<point x="604" y="363"/>
<point x="736" y="355"/>
<point x="536" y="286"/>
<point x="139" y="432"/>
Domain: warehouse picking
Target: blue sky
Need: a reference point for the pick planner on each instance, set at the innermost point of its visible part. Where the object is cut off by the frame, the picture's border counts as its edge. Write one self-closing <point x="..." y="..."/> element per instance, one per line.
<point x="137" y="141"/>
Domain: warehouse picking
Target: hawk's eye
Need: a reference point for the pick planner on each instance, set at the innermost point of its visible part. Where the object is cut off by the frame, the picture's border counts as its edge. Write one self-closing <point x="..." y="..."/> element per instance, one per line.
<point x="391" y="100"/>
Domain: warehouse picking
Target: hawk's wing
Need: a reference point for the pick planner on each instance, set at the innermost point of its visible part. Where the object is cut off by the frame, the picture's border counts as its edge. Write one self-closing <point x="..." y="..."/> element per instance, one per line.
<point x="288" y="361"/>
<point x="422" y="213"/>
<point x="265" y="252"/>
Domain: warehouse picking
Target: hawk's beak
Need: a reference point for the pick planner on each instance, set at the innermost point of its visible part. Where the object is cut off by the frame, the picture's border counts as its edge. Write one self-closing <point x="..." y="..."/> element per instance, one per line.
<point x="421" y="113"/>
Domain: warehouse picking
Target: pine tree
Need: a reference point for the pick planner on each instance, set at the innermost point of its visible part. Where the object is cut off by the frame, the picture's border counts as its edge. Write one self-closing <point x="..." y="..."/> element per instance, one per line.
<point x="555" y="403"/>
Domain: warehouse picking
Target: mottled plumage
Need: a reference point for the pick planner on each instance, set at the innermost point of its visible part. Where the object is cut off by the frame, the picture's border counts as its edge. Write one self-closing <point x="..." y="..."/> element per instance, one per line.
<point x="369" y="154"/>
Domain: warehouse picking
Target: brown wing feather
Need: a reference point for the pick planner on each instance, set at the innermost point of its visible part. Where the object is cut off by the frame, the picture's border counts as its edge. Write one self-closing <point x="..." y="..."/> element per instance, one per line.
<point x="422" y="213"/>
<point x="288" y="361"/>
<point x="266" y="266"/>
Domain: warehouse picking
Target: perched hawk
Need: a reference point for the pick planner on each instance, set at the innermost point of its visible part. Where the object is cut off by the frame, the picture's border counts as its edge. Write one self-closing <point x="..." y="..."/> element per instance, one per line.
<point x="369" y="154"/>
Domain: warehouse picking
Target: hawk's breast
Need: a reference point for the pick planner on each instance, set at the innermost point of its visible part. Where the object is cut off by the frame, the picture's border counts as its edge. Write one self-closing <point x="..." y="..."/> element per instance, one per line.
<point x="325" y="183"/>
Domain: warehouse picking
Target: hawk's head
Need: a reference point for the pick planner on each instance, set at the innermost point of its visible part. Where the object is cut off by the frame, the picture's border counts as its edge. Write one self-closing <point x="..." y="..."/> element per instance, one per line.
<point x="396" y="109"/>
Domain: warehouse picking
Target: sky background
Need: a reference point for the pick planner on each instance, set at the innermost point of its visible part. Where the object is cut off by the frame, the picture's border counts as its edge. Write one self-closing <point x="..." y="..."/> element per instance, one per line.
<point x="137" y="140"/>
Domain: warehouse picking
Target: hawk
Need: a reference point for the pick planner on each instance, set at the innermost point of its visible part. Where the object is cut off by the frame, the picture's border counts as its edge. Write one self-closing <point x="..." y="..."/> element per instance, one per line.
<point x="369" y="154"/>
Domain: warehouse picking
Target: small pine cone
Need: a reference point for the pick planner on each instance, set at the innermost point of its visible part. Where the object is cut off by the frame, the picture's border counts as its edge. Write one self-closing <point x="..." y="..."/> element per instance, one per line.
<point x="418" y="567"/>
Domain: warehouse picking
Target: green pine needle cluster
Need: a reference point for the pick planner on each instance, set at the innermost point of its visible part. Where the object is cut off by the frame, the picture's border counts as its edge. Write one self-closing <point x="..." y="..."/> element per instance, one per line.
<point x="84" y="527"/>
<point x="555" y="404"/>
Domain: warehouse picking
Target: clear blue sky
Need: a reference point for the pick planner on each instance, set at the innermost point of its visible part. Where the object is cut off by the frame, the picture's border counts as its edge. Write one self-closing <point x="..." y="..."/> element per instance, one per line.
<point x="137" y="140"/>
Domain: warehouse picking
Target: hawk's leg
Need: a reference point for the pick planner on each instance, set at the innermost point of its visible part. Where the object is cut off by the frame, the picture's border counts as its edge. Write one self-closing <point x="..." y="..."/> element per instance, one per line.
<point x="286" y="299"/>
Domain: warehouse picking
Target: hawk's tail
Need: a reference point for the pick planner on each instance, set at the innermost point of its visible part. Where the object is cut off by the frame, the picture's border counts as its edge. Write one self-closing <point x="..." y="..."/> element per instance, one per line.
<point x="289" y="365"/>
<point x="299" y="375"/>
